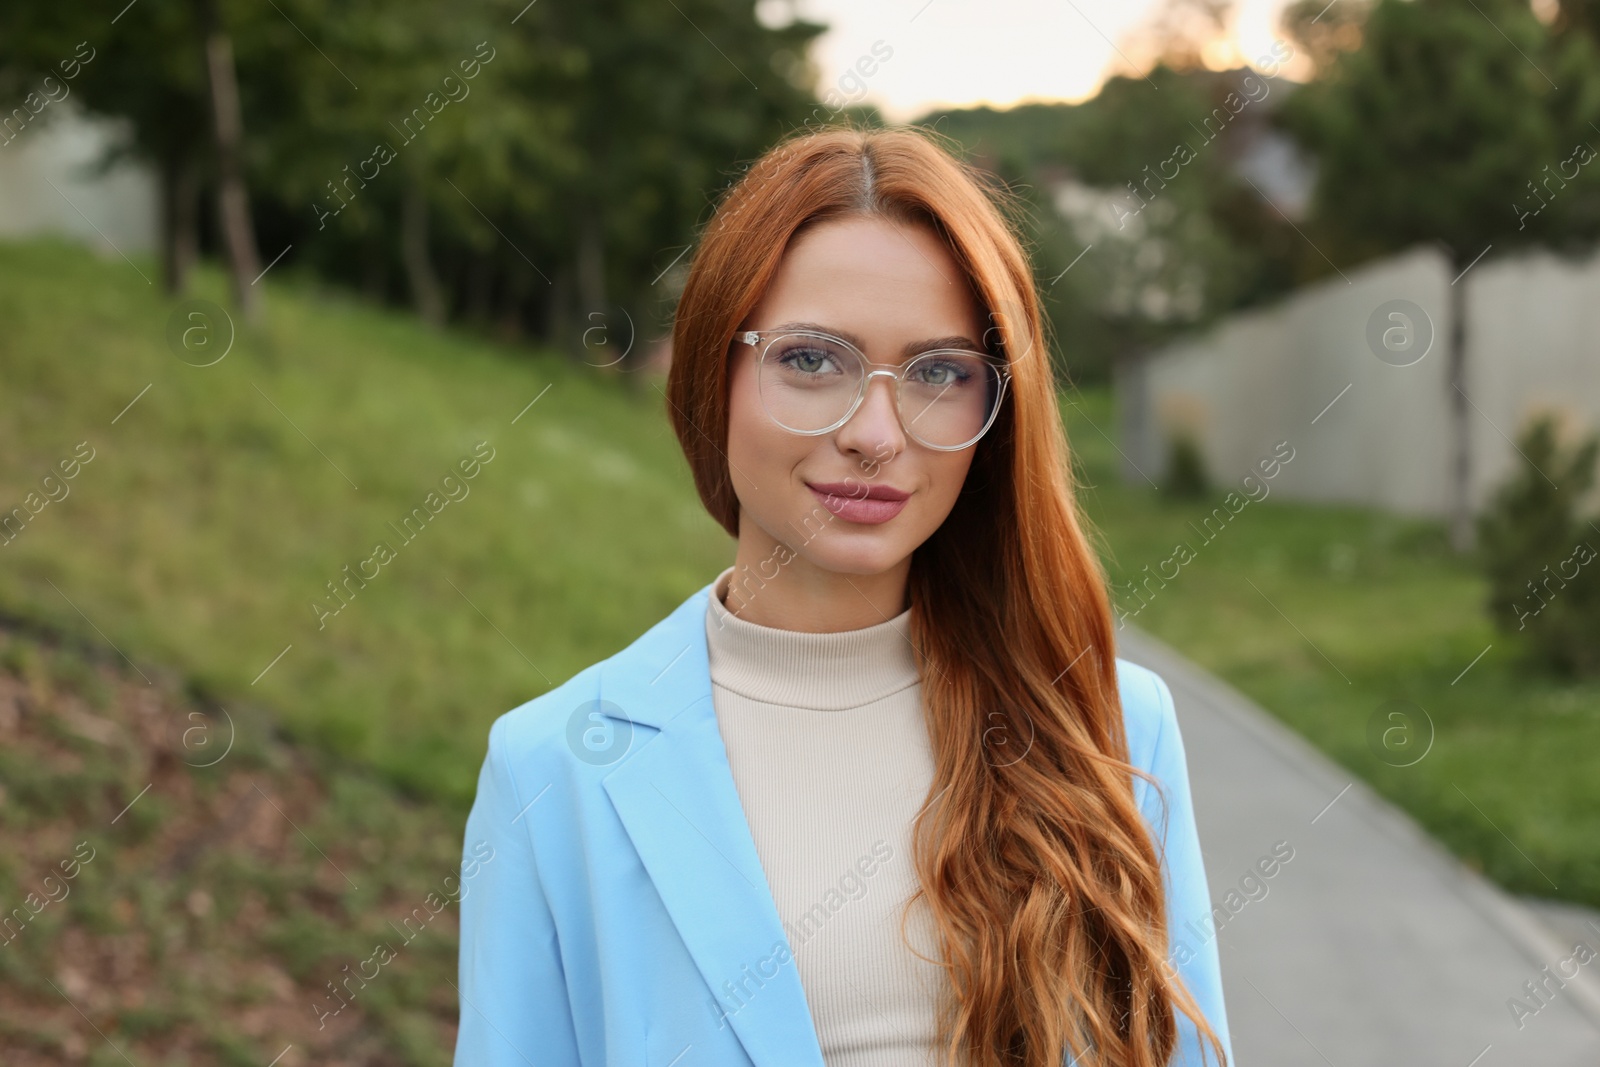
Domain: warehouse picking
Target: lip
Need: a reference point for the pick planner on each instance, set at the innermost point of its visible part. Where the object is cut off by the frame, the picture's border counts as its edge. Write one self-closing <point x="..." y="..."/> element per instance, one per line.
<point x="879" y="504"/>
<point x="853" y="491"/>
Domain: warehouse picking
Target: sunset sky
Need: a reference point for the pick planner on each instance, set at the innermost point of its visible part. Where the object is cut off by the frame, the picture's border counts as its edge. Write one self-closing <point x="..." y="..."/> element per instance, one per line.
<point x="1002" y="52"/>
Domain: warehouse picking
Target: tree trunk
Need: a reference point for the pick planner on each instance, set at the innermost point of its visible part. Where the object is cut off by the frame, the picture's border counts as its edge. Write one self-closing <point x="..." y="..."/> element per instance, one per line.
<point x="476" y="301"/>
<point x="591" y="267"/>
<point x="180" y="221"/>
<point x="511" y="297"/>
<point x="1461" y="530"/>
<point x="558" y="315"/>
<point x="374" y="275"/>
<point x="233" y="205"/>
<point x="425" y="292"/>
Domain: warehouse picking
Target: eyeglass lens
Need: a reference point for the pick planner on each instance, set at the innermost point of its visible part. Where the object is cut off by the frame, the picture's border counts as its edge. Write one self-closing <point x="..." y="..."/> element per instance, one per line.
<point x="808" y="384"/>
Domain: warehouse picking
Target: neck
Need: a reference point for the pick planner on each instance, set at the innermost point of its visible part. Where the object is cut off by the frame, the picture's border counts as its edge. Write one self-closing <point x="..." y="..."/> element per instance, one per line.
<point x="816" y="671"/>
<point x="773" y="586"/>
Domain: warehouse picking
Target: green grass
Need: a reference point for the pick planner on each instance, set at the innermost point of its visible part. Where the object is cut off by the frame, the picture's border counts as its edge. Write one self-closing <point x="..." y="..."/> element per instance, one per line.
<point x="196" y="889"/>
<point x="207" y="524"/>
<point x="218" y="506"/>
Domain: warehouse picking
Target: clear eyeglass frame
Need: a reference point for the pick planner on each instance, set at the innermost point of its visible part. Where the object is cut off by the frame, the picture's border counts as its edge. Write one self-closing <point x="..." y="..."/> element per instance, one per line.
<point x="762" y="340"/>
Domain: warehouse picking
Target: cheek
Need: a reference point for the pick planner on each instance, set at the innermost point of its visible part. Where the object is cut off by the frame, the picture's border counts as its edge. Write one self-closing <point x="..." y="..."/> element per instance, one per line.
<point x="758" y="451"/>
<point x="950" y="474"/>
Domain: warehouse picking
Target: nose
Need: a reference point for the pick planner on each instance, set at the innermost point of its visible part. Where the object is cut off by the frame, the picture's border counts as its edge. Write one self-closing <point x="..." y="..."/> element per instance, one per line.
<point x="874" y="429"/>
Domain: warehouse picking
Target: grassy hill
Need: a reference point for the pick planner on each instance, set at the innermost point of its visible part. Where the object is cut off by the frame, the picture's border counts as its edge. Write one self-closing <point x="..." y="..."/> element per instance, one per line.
<point x="201" y="890"/>
<point x="220" y="502"/>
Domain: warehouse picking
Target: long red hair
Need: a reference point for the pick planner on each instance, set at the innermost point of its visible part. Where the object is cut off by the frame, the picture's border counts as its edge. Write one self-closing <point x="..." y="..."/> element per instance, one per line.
<point x="1041" y="876"/>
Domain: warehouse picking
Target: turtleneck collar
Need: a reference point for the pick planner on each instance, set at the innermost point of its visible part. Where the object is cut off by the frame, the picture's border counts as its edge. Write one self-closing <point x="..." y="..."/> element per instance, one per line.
<point x="816" y="671"/>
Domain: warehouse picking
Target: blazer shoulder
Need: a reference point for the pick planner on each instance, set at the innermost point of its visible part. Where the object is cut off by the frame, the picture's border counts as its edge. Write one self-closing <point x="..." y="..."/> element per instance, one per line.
<point x="1147" y="710"/>
<point x="534" y="728"/>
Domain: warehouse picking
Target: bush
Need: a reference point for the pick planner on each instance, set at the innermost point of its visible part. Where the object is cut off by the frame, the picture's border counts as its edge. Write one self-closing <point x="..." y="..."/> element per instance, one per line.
<point x="1540" y="555"/>
<point x="1186" y="469"/>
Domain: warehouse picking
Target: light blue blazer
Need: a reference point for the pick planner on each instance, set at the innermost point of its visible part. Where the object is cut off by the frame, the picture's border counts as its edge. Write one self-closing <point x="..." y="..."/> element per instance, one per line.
<point x="614" y="910"/>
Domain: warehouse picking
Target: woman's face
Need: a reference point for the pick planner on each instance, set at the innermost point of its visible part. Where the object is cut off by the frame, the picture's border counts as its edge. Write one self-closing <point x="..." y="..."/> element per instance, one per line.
<point x="888" y="286"/>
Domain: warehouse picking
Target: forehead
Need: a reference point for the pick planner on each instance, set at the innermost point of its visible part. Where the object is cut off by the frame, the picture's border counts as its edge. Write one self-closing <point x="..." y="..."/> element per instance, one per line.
<point x="887" y="282"/>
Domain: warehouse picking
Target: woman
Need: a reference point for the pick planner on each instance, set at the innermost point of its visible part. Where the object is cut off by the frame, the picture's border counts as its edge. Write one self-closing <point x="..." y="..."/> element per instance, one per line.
<point x="880" y="793"/>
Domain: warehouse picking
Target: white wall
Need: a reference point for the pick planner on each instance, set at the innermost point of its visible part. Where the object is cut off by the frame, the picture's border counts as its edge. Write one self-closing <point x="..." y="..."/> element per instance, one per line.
<point x="1264" y="376"/>
<point x="118" y="210"/>
<point x="1533" y="343"/>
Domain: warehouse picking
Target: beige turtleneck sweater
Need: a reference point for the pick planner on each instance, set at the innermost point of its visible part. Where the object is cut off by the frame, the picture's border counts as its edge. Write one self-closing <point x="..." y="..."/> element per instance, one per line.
<point x="830" y="755"/>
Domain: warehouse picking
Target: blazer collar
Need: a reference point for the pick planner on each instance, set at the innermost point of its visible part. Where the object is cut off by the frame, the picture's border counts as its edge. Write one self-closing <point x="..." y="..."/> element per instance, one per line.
<point x="675" y="795"/>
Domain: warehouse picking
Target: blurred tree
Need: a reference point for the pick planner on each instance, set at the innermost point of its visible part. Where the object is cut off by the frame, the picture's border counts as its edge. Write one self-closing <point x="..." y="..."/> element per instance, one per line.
<point x="150" y="71"/>
<point x="659" y="113"/>
<point x="1143" y="225"/>
<point x="360" y="131"/>
<point x="1531" y="536"/>
<point x="556" y="182"/>
<point x="1186" y="468"/>
<point x="1462" y="126"/>
<point x="559" y="187"/>
<point x="1177" y="32"/>
<point x="227" y="126"/>
<point x="1582" y="16"/>
<point x="1322" y="31"/>
<point x="171" y="73"/>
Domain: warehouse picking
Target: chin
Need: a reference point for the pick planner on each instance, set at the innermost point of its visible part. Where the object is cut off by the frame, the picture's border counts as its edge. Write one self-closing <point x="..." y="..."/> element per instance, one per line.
<point x="858" y="552"/>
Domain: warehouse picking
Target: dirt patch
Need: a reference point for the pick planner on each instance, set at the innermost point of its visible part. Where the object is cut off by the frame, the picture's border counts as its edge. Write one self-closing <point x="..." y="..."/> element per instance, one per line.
<point x="181" y="884"/>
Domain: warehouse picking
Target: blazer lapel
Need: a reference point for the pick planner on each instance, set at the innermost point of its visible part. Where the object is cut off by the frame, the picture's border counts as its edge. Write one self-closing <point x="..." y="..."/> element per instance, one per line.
<point x="675" y="795"/>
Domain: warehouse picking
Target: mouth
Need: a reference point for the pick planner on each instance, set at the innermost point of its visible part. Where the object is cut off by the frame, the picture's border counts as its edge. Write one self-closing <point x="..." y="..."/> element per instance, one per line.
<point x="853" y="502"/>
<point x="859" y="491"/>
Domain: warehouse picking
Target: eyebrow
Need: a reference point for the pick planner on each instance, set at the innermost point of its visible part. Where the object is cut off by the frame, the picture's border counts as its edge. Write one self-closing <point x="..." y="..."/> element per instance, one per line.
<point x="912" y="348"/>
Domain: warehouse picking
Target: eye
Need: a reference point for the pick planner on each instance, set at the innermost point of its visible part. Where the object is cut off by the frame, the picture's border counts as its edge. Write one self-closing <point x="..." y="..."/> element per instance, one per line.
<point x="946" y="373"/>
<point x="808" y="359"/>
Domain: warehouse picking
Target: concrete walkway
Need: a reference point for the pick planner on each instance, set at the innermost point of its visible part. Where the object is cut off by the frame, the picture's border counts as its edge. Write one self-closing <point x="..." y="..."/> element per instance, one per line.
<point x="1372" y="947"/>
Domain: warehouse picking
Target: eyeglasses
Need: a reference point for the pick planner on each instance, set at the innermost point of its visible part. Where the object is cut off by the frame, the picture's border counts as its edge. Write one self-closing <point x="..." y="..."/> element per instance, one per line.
<point x="812" y="382"/>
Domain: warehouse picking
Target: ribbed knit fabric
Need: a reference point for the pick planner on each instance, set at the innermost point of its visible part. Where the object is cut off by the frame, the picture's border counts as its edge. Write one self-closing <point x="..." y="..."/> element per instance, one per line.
<point x="830" y="755"/>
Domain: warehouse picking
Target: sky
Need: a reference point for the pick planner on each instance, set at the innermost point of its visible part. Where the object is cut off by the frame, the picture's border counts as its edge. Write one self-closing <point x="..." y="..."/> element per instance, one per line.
<point x="933" y="53"/>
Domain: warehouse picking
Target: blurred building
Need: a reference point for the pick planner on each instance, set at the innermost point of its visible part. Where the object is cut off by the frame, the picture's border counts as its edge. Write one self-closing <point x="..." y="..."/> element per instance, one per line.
<point x="51" y="182"/>
<point x="1353" y="372"/>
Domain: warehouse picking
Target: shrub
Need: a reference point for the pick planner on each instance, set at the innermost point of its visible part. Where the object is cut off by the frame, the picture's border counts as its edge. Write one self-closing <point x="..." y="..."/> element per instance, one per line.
<point x="1186" y="469"/>
<point x="1542" y="559"/>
